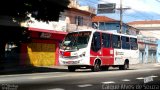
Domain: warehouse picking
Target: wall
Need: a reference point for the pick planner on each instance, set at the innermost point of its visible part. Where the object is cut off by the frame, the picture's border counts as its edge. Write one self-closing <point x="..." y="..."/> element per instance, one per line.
<point x="73" y="14"/>
<point x="149" y="34"/>
<point x="70" y="16"/>
<point x="147" y="54"/>
<point x="158" y="52"/>
<point x="149" y="30"/>
<point x="42" y="49"/>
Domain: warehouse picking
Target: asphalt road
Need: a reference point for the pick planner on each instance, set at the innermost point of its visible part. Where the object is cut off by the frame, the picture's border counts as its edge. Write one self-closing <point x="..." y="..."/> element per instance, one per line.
<point x="137" y="77"/>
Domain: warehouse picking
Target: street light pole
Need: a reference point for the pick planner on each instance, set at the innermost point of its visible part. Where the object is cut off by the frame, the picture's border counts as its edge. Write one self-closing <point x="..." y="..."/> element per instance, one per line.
<point x="120" y="31"/>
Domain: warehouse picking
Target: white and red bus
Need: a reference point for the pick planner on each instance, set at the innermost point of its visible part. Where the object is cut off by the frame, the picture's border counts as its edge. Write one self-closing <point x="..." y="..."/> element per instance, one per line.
<point x="98" y="50"/>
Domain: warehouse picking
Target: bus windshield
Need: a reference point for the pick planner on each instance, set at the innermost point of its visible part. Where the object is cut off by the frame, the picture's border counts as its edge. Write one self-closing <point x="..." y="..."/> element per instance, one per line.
<point x="76" y="40"/>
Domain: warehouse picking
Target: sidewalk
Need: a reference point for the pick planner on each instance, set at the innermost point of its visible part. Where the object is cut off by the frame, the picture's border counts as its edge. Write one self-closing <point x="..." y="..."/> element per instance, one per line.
<point x="144" y="65"/>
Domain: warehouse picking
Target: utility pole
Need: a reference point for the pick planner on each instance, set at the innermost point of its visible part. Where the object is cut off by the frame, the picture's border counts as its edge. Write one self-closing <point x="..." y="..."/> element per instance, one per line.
<point x="121" y="16"/>
<point x="121" y="12"/>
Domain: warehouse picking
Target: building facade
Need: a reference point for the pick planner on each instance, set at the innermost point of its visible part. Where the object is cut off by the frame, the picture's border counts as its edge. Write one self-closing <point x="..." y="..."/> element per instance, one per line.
<point x="149" y="35"/>
<point x="78" y="19"/>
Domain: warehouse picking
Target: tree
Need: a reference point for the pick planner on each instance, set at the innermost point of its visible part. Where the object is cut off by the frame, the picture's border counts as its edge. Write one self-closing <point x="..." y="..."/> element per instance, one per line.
<point x="41" y="10"/>
<point x="44" y="10"/>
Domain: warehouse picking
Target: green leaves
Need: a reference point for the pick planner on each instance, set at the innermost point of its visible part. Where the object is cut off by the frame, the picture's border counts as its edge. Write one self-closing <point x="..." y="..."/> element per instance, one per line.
<point x="42" y="10"/>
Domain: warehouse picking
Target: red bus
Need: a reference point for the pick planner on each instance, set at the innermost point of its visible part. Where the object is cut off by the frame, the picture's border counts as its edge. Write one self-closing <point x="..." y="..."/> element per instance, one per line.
<point x="98" y="50"/>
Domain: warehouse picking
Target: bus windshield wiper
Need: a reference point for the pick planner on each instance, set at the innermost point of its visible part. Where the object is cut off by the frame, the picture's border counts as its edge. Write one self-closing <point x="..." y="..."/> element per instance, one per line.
<point x="75" y="42"/>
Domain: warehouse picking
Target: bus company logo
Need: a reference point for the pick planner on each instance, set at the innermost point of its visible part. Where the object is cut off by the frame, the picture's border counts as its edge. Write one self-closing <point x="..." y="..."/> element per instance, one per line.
<point x="119" y="53"/>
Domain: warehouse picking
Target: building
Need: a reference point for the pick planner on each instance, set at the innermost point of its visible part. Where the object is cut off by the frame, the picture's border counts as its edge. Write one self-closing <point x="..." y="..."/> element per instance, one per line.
<point x="149" y="35"/>
<point x="78" y="19"/>
<point x="147" y="28"/>
<point x="109" y="24"/>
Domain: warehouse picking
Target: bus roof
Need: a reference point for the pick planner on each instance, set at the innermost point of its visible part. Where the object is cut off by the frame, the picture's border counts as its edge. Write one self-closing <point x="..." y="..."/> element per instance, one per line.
<point x="109" y="32"/>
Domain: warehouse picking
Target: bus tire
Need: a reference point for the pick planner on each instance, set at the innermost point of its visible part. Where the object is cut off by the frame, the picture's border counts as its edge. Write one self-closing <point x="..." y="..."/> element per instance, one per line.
<point x="96" y="67"/>
<point x="124" y="67"/>
<point x="71" y="69"/>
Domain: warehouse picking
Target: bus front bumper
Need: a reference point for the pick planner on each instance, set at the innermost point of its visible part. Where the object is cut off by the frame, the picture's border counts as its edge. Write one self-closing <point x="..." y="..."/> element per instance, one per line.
<point x="78" y="61"/>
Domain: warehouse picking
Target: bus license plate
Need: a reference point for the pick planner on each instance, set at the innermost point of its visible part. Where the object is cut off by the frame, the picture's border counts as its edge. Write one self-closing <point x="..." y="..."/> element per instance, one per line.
<point x="71" y="62"/>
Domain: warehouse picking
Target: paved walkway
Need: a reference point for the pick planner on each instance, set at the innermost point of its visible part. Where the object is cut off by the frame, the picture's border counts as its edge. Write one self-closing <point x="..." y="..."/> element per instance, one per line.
<point x="136" y="66"/>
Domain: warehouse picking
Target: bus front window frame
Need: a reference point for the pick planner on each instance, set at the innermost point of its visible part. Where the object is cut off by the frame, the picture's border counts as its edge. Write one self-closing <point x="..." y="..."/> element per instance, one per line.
<point x="96" y="42"/>
<point x="76" y="40"/>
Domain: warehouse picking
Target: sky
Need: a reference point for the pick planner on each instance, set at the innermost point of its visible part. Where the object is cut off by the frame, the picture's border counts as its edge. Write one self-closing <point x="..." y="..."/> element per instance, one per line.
<point x="139" y="9"/>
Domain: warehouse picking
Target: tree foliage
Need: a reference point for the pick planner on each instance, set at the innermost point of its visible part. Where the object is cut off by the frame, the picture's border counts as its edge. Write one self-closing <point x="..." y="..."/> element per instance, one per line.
<point x="44" y="10"/>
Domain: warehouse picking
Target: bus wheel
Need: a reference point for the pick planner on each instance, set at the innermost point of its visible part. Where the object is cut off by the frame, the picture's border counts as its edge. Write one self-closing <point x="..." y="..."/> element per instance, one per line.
<point x="124" y="67"/>
<point x="96" y="67"/>
<point x="71" y="68"/>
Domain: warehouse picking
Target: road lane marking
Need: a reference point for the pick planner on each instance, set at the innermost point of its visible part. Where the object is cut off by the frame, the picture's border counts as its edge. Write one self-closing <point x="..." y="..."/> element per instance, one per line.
<point x="109" y="82"/>
<point x="139" y="78"/>
<point x="38" y="77"/>
<point x="85" y="85"/>
<point x="45" y="77"/>
<point x="9" y="80"/>
<point x="3" y="81"/>
<point x="153" y="76"/>
<point x="126" y="80"/>
<point x="56" y="89"/>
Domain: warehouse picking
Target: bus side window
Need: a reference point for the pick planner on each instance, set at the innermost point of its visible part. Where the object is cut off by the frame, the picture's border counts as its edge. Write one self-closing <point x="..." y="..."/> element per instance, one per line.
<point x="133" y="42"/>
<point x="125" y="42"/>
<point x="116" y="41"/>
<point x="96" y="42"/>
<point x="119" y="42"/>
<point x="106" y="40"/>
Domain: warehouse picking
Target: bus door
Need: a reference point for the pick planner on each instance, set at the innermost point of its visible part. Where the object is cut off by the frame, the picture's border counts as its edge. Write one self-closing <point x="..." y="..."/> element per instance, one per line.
<point x="95" y="47"/>
<point x="107" y="51"/>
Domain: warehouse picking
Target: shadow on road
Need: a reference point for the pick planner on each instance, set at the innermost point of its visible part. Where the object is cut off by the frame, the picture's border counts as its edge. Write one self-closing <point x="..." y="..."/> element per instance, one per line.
<point x="29" y="69"/>
<point x="33" y="69"/>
